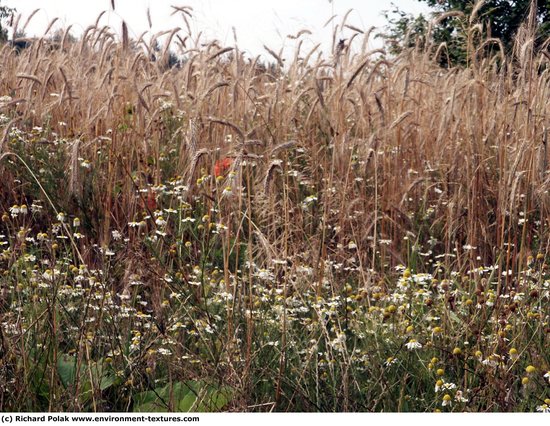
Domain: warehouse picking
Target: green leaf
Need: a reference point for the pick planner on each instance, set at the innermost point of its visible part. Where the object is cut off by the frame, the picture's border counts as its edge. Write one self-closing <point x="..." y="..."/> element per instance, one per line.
<point x="150" y="407"/>
<point x="66" y="369"/>
<point x="184" y="397"/>
<point x="187" y="403"/>
<point x="216" y="399"/>
<point x="101" y="375"/>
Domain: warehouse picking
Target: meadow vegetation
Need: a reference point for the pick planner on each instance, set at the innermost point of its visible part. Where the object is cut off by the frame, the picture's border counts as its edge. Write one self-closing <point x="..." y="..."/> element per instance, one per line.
<point x="345" y="232"/>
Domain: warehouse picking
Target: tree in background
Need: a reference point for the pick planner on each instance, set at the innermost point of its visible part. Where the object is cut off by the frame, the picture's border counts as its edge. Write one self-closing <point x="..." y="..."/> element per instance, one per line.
<point x="5" y="12"/>
<point x="498" y="18"/>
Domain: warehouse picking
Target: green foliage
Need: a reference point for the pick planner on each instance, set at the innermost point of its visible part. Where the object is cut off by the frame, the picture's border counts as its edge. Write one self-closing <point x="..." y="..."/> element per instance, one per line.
<point x="499" y="19"/>
<point x="97" y="372"/>
<point x="67" y="369"/>
<point x="5" y="12"/>
<point x="196" y="396"/>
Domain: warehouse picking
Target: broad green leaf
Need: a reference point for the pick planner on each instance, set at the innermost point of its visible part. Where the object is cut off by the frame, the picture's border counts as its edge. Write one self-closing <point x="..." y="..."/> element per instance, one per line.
<point x="66" y="369"/>
<point x="186" y="404"/>
<point x="184" y="397"/>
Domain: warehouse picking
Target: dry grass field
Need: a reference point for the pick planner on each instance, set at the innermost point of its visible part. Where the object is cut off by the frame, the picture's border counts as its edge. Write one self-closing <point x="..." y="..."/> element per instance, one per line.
<point x="345" y="232"/>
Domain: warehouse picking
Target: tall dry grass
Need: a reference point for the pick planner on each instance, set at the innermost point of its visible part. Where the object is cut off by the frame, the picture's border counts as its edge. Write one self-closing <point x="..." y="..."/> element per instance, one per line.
<point x="389" y="146"/>
<point x="354" y="157"/>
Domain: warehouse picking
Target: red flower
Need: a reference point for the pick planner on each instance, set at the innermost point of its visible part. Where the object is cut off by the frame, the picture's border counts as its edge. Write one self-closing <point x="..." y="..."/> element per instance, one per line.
<point x="151" y="201"/>
<point x="222" y="166"/>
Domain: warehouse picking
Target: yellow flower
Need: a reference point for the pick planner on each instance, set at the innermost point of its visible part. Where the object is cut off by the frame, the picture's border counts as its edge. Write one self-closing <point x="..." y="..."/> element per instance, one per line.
<point x="530" y="369"/>
<point x="457" y="351"/>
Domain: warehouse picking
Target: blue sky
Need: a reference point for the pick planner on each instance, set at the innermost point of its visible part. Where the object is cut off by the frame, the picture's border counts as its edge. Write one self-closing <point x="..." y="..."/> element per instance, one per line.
<point x="257" y="23"/>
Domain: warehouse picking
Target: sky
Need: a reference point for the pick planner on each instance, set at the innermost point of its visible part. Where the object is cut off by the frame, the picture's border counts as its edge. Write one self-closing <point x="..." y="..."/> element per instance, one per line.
<point x="256" y="22"/>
